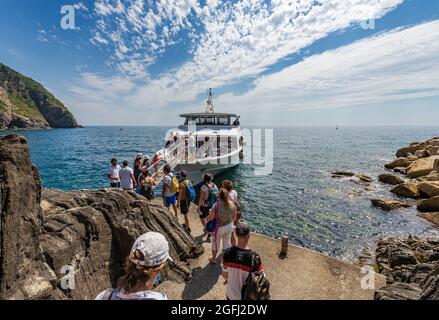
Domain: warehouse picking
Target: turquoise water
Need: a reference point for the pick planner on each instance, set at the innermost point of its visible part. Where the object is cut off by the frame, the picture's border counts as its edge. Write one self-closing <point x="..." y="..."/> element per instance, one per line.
<point x="299" y="198"/>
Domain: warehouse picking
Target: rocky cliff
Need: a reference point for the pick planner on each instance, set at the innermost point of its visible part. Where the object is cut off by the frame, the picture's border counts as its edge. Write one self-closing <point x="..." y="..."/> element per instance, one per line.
<point x="26" y="104"/>
<point x="46" y="236"/>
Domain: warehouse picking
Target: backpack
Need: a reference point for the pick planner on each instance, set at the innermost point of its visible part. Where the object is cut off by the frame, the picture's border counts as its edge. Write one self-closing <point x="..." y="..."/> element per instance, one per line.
<point x="190" y="191"/>
<point x="213" y="195"/>
<point x="256" y="286"/>
<point x="174" y="184"/>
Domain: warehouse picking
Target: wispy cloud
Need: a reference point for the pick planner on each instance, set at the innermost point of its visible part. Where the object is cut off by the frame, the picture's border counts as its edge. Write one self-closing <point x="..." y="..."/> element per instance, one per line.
<point x="398" y="65"/>
<point x="238" y="39"/>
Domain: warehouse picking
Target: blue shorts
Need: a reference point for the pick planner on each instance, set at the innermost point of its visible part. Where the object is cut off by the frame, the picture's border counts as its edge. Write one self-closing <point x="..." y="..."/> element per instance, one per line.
<point x="170" y="200"/>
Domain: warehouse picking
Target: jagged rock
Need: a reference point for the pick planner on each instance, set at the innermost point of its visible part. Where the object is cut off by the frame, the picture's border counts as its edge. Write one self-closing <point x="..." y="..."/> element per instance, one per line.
<point x="398" y="163"/>
<point x="431" y="286"/>
<point x="422" y="154"/>
<point x="404" y="152"/>
<point x="364" y="178"/>
<point x="429" y="189"/>
<point x="421" y="167"/>
<point x="399" y="291"/>
<point x="429" y="205"/>
<point x="408" y="190"/>
<point x="43" y="234"/>
<point x="389" y="205"/>
<point x="342" y="174"/>
<point x="432" y="150"/>
<point x="391" y="179"/>
<point x="411" y="267"/>
<point x="400" y="170"/>
<point x="432" y="217"/>
<point x="21" y="219"/>
<point x="433" y="176"/>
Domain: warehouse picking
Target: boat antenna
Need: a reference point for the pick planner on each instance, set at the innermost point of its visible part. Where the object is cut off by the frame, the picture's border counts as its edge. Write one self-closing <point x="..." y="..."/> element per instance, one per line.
<point x="209" y="107"/>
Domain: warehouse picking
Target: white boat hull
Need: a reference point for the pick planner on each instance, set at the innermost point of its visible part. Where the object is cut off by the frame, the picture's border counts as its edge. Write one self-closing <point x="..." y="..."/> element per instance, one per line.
<point x="197" y="171"/>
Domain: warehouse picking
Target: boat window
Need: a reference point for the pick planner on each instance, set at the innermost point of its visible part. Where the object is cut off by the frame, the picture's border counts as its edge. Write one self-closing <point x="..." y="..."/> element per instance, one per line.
<point x="192" y="120"/>
<point x="223" y="121"/>
<point x="208" y="120"/>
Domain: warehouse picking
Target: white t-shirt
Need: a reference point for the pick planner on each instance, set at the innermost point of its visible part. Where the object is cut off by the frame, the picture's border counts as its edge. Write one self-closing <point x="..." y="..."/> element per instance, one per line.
<point x="125" y="178"/>
<point x="142" y="295"/>
<point x="167" y="183"/>
<point x="233" y="196"/>
<point x="114" y="171"/>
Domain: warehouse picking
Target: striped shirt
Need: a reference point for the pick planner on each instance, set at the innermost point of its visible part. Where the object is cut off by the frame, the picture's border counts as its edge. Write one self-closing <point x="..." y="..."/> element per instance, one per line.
<point x="238" y="263"/>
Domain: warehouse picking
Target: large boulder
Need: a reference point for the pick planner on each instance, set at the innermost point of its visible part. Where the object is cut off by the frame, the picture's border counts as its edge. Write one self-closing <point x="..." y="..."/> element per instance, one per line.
<point x="412" y="148"/>
<point x="429" y="205"/>
<point x="389" y="205"/>
<point x="433" y="150"/>
<point x="433" y="176"/>
<point x="47" y="234"/>
<point x="421" y="167"/>
<point x="408" y="190"/>
<point x="432" y="217"/>
<point x="429" y="189"/>
<point x="21" y="222"/>
<point x="391" y="179"/>
<point x="422" y="154"/>
<point x="398" y="163"/>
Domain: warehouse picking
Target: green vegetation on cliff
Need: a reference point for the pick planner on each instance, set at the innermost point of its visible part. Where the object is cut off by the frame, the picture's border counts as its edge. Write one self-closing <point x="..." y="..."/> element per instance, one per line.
<point x="24" y="103"/>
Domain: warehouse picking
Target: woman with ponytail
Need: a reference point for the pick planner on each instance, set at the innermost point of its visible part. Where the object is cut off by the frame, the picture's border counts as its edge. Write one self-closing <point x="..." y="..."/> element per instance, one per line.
<point x="224" y="211"/>
<point x="148" y="258"/>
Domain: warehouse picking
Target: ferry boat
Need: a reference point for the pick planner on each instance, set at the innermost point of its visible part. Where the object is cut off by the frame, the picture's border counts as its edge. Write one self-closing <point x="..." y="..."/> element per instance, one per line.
<point x="207" y="142"/>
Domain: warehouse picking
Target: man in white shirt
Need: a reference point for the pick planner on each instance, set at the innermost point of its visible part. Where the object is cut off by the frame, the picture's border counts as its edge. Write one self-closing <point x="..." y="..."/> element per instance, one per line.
<point x="127" y="179"/>
<point x="113" y="174"/>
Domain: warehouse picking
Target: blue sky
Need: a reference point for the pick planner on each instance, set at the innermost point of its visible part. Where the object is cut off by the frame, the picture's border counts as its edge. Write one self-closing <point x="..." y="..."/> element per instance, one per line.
<point x="297" y="62"/>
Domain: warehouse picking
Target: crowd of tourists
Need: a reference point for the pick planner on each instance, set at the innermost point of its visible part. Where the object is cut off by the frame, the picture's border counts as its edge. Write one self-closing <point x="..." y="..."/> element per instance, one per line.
<point x="220" y="216"/>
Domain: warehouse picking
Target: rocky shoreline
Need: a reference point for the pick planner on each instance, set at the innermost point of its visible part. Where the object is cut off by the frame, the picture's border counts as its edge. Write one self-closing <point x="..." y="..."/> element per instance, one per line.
<point x="45" y="234"/>
<point x="411" y="265"/>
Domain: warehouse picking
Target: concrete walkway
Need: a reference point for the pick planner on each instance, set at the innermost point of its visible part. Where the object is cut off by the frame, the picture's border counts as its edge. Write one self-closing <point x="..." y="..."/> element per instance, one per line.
<point x="303" y="275"/>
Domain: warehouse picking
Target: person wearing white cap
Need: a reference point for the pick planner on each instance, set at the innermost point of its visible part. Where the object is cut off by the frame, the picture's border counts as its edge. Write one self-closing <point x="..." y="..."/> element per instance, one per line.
<point x="149" y="256"/>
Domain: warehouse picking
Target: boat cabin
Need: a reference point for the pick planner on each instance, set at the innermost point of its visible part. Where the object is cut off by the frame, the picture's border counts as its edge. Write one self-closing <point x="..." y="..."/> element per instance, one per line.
<point x="210" y="120"/>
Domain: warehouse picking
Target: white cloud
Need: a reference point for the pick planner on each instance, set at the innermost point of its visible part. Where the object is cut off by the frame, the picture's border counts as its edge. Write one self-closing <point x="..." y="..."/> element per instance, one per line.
<point x="243" y="39"/>
<point x="80" y="6"/>
<point x="139" y="28"/>
<point x="398" y="65"/>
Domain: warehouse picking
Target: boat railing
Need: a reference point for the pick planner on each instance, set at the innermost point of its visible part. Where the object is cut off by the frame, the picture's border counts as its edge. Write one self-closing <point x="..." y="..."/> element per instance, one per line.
<point x="180" y="153"/>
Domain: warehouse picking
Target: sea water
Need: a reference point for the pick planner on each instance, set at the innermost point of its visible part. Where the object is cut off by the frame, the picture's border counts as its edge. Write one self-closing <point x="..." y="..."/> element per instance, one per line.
<point x="298" y="198"/>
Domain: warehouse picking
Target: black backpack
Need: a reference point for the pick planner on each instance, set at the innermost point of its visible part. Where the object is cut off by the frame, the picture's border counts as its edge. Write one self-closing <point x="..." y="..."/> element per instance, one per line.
<point x="256" y="286"/>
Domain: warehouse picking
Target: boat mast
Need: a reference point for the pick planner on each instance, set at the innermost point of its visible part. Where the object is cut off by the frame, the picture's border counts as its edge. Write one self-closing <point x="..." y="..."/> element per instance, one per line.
<point x="209" y="107"/>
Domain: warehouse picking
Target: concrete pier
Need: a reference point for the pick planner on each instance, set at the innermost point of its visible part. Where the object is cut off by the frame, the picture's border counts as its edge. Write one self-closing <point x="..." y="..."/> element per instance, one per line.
<point x="302" y="275"/>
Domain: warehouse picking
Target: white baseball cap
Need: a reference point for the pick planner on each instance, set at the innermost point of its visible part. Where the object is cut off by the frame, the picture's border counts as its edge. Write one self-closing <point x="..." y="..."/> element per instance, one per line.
<point x="154" y="247"/>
